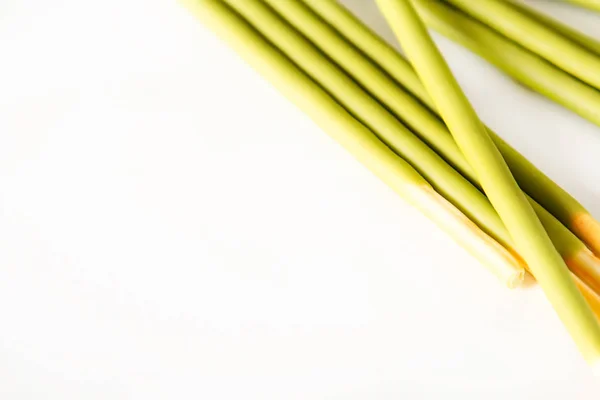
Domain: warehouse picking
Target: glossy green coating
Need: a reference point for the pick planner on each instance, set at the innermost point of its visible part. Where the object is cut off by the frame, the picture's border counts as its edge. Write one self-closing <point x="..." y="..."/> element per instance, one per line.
<point x="535" y="36"/>
<point x="495" y="177"/>
<point x="534" y="182"/>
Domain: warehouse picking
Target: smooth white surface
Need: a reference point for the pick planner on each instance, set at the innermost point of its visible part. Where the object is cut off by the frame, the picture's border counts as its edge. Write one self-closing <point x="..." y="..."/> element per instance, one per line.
<point x="172" y="228"/>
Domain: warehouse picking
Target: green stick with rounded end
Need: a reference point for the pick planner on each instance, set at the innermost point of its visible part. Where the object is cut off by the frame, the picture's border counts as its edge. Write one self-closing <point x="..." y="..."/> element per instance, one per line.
<point x="535" y="36"/>
<point x="562" y="205"/>
<point x="495" y="177"/>
<point x="352" y="135"/>
<point x="564" y="29"/>
<point x="589" y="4"/>
<point x="427" y="126"/>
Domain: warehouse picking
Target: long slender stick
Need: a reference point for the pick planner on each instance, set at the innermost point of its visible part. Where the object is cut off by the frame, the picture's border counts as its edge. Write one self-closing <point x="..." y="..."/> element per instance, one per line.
<point x="417" y="117"/>
<point x="300" y="89"/>
<point x="535" y="36"/>
<point x="564" y="29"/>
<point x="496" y="179"/>
<point x="532" y="71"/>
<point x="562" y="205"/>
<point x="427" y="126"/>
<point x="443" y="177"/>
<point x="373" y="46"/>
<point x="353" y="136"/>
<point x="445" y="180"/>
<point x="523" y="65"/>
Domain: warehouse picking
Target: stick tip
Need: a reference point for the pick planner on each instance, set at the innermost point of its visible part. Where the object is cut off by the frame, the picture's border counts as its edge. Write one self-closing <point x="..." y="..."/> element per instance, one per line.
<point x="588" y="229"/>
<point x="516" y="279"/>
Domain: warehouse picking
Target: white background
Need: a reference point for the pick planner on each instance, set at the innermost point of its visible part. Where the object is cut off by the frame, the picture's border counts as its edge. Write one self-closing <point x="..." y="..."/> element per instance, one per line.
<point x="172" y="228"/>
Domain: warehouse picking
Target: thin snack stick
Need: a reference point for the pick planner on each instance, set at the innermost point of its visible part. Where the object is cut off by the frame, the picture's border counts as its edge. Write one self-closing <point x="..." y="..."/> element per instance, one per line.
<point x="452" y="185"/>
<point x="564" y="29"/>
<point x="561" y="204"/>
<point x="377" y="49"/>
<point x="535" y="36"/>
<point x="402" y="104"/>
<point x="338" y="122"/>
<point x="422" y="122"/>
<point x="445" y="179"/>
<point x="537" y="73"/>
<point x="496" y="179"/>
<point x="526" y="67"/>
<point x="353" y="136"/>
